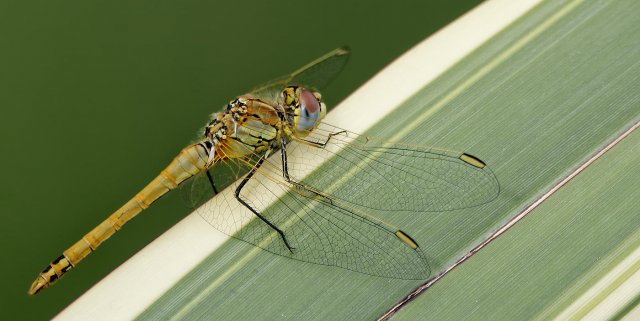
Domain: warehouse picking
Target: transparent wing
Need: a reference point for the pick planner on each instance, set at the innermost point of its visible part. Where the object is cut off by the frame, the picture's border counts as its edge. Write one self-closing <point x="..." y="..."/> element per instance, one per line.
<point x="377" y="176"/>
<point x="325" y="214"/>
<point x="318" y="230"/>
<point x="314" y="75"/>
<point x="205" y="185"/>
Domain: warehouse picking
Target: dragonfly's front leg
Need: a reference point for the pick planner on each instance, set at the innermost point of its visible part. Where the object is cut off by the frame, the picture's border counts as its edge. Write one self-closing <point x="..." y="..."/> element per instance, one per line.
<point x="322" y="145"/>
<point x="283" y="154"/>
<point x="254" y="211"/>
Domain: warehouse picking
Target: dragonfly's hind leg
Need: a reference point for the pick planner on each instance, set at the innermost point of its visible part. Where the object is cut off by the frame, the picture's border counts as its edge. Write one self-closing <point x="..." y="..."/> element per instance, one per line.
<point x="213" y="185"/>
<point x="254" y="211"/>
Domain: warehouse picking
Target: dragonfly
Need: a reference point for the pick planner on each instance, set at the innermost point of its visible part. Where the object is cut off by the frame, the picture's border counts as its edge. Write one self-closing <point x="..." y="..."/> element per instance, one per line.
<point x="302" y="188"/>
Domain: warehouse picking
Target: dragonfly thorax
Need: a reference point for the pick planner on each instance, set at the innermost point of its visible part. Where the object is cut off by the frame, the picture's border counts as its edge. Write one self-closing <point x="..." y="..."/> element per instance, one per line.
<point x="235" y="112"/>
<point x="247" y="126"/>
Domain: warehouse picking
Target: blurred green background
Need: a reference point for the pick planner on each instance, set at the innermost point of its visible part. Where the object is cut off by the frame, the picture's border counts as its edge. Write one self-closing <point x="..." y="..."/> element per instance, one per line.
<point x="97" y="97"/>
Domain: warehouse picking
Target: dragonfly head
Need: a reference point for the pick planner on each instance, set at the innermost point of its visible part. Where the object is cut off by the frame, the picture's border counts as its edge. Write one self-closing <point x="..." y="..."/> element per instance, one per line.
<point x="304" y="109"/>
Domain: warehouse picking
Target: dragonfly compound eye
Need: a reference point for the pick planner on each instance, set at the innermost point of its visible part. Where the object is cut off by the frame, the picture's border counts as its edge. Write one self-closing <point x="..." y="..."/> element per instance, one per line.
<point x="309" y="113"/>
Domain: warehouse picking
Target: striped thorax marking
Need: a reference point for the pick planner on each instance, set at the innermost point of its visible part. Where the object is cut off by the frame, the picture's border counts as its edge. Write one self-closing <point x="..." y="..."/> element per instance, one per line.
<point x="246" y="126"/>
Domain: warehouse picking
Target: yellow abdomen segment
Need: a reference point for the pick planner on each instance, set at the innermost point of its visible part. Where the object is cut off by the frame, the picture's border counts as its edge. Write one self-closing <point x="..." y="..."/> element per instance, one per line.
<point x="191" y="161"/>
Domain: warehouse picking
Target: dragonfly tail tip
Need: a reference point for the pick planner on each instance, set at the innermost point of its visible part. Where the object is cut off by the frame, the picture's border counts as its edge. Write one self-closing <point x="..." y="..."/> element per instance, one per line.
<point x="39" y="284"/>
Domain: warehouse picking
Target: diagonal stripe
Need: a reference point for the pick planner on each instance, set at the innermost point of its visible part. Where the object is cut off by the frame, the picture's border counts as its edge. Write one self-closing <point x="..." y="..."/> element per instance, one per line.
<point x="506" y="226"/>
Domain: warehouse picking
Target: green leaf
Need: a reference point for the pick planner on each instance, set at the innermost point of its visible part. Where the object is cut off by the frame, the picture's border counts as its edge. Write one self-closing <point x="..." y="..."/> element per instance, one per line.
<point x="535" y="101"/>
<point x="574" y="256"/>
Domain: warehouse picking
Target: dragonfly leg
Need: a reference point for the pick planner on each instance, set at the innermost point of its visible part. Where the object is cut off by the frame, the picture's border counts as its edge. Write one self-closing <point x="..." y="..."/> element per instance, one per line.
<point x="213" y="185"/>
<point x="285" y="166"/>
<point x="254" y="211"/>
<point x="322" y="145"/>
<point x="285" y="173"/>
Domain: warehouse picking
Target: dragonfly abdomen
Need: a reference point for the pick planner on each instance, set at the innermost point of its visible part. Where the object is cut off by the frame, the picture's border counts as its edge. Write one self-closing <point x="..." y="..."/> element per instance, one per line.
<point x="191" y="161"/>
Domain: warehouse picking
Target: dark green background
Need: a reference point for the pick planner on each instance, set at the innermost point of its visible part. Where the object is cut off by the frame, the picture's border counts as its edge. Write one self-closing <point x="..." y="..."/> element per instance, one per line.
<point x="97" y="97"/>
